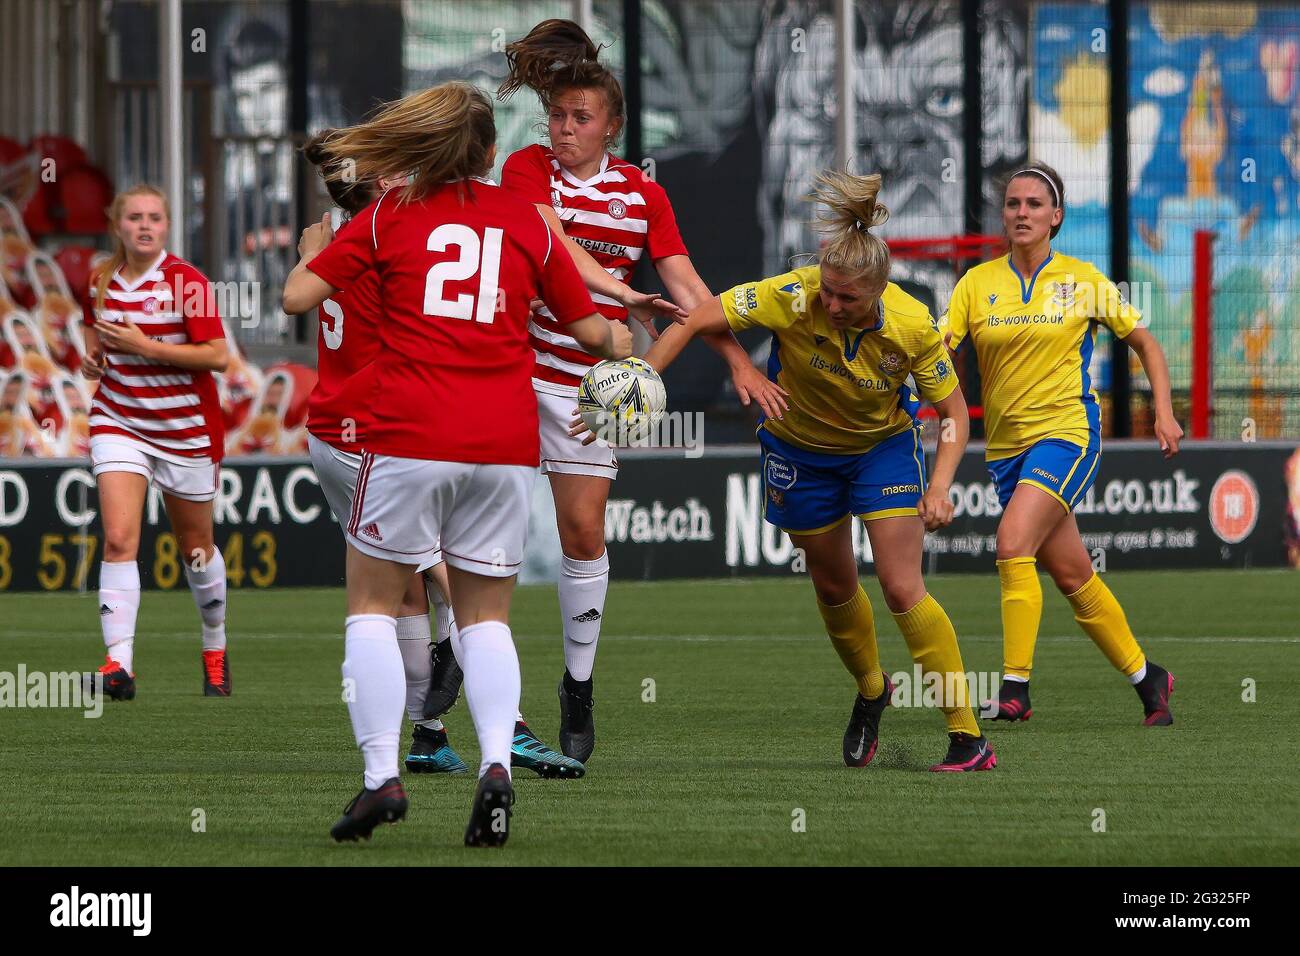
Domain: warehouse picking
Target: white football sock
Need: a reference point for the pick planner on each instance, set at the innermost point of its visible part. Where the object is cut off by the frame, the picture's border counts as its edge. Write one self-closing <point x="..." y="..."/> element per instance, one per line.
<point x="442" y="615"/>
<point x="1137" y="676"/>
<point x="453" y="637"/>
<point x="583" y="585"/>
<point x="375" y="686"/>
<point x="119" y="603"/>
<point x="208" y="586"/>
<point x="491" y="669"/>
<point x="413" y="641"/>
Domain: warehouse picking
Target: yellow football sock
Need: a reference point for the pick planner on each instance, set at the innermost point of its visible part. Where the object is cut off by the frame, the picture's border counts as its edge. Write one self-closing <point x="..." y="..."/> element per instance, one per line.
<point x="852" y="630"/>
<point x="933" y="643"/>
<point x="1102" y="619"/>
<point x="1022" y="609"/>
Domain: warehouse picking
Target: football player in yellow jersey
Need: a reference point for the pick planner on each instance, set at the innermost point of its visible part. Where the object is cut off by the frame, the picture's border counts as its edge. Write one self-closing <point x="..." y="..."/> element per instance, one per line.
<point x="844" y="342"/>
<point x="1032" y="319"/>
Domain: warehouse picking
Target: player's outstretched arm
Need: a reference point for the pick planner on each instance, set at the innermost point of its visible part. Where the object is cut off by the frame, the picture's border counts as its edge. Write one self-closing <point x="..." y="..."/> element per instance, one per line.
<point x="707" y="319"/>
<point x="1168" y="432"/>
<point x="642" y="306"/>
<point x="599" y="336"/>
<point x="688" y="289"/>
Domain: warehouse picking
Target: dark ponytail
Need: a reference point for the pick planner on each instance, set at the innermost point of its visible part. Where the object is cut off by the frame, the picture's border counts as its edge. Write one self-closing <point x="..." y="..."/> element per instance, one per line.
<point x="351" y="196"/>
<point x="556" y="56"/>
<point x="554" y="50"/>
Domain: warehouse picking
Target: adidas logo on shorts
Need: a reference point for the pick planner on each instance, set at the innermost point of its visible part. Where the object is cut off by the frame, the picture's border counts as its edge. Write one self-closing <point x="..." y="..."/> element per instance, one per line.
<point x="105" y="610"/>
<point x="213" y="604"/>
<point x="372" y="531"/>
<point x="587" y="616"/>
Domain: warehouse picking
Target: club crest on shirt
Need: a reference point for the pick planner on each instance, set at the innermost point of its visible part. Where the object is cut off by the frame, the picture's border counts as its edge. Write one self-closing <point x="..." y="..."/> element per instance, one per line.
<point x="891" y="363"/>
<point x="1063" y="294"/>
<point x="993" y="298"/>
<point x="149" y="306"/>
<point x="617" y="209"/>
<point x="556" y="199"/>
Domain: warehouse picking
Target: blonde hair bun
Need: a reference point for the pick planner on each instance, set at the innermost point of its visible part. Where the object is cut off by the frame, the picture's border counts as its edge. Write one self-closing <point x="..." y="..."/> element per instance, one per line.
<point x="850" y="209"/>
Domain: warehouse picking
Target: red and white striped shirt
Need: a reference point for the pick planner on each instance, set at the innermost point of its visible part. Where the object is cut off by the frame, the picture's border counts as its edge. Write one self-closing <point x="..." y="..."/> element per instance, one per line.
<point x="171" y="413"/>
<point x="618" y="215"/>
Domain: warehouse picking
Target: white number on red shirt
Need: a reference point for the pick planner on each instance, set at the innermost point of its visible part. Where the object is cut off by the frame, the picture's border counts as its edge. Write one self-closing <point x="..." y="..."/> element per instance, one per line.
<point x="482" y="257"/>
<point x="334" y="336"/>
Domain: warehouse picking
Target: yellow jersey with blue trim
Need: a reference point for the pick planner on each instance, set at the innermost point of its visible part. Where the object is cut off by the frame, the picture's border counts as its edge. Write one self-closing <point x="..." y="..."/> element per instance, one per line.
<point x="1033" y="338"/>
<point x="847" y="388"/>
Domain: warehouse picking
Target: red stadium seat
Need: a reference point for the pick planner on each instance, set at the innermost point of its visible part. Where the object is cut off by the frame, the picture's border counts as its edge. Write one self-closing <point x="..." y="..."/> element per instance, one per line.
<point x="10" y="149"/>
<point x="44" y="213"/>
<point x="65" y="152"/>
<point x="85" y="194"/>
<point x="40" y="215"/>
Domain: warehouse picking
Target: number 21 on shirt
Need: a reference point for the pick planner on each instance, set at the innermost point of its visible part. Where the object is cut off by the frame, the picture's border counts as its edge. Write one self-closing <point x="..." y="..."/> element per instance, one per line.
<point x="476" y="256"/>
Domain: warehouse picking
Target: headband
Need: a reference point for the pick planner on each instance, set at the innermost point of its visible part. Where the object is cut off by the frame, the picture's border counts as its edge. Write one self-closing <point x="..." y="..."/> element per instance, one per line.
<point x="1030" y="171"/>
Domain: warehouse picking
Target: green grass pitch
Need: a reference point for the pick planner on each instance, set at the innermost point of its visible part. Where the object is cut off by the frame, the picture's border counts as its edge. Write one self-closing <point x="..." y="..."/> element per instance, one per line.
<point x="744" y="732"/>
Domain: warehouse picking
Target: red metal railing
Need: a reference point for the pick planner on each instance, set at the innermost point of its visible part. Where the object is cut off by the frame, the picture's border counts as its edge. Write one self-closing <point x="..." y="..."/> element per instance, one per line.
<point x="1202" y="339"/>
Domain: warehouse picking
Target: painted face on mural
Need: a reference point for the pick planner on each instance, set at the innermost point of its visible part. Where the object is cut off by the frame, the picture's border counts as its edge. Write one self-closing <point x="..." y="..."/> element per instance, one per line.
<point x="909" y="113"/>
<point x="908" y="87"/>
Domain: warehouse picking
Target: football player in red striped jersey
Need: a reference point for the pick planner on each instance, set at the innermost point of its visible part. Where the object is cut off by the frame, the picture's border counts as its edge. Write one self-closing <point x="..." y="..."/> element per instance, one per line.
<point x="609" y="215"/>
<point x="153" y="340"/>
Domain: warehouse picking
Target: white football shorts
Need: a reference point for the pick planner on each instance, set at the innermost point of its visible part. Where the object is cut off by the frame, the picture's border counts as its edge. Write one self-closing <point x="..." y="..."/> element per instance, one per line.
<point x="404" y="508"/>
<point x="561" y="453"/>
<point x="197" y="482"/>
<point x="336" y="470"/>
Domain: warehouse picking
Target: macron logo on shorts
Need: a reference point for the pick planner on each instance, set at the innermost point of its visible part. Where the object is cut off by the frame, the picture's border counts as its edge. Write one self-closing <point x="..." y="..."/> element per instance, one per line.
<point x="372" y="531"/>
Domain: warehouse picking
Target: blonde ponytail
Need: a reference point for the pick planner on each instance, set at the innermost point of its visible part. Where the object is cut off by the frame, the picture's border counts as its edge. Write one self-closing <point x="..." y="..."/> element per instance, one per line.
<point x="443" y="133"/>
<point x="851" y="210"/>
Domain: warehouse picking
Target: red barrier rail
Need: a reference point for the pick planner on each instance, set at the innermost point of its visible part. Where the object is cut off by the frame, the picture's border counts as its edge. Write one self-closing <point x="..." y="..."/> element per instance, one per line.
<point x="1202" y="336"/>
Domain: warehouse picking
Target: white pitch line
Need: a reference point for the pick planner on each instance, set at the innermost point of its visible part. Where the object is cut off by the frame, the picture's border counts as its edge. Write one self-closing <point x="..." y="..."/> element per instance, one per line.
<point x="961" y="638"/>
<point x="236" y="637"/>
